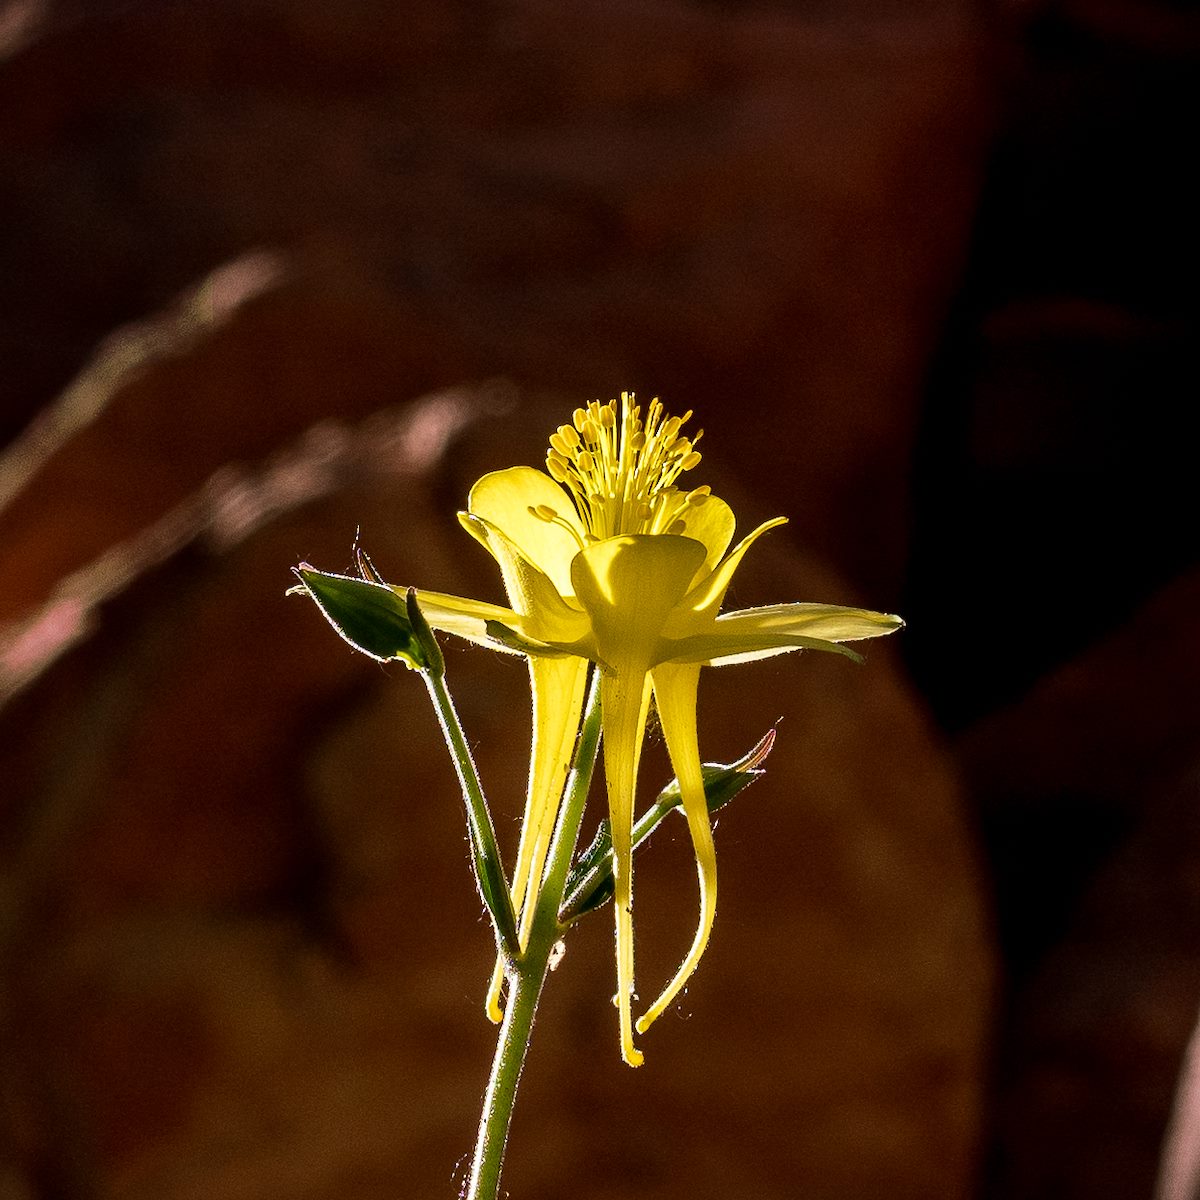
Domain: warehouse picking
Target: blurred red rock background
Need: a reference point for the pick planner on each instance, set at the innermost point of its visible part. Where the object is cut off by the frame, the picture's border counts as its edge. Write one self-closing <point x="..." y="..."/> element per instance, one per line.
<point x="274" y="272"/>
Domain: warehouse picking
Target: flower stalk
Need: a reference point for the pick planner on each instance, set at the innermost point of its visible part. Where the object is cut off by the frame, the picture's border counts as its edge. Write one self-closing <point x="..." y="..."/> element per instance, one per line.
<point x="527" y="972"/>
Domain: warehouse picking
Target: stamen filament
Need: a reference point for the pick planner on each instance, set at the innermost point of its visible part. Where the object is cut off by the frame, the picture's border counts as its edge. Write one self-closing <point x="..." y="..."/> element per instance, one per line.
<point x="544" y="512"/>
<point x="621" y="471"/>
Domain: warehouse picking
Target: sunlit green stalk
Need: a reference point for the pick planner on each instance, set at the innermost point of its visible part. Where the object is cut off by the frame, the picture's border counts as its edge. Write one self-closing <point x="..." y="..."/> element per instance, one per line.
<point x="527" y="973"/>
<point x="485" y="853"/>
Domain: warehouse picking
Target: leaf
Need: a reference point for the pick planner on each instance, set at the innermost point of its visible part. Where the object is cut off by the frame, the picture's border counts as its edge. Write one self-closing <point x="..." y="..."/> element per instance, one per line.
<point x="370" y="616"/>
<point x="590" y="882"/>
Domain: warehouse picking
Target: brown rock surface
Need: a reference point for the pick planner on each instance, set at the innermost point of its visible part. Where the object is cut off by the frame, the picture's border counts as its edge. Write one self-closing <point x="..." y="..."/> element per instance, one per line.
<point x="758" y="209"/>
<point x="1089" y="787"/>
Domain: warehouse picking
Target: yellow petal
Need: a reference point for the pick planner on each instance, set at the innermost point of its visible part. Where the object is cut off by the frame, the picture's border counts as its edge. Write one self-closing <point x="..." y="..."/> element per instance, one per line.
<point x="543" y="613"/>
<point x="492" y="1005"/>
<point x="719" y="650"/>
<point x="629" y="586"/>
<point x="511" y="637"/>
<point x="710" y="523"/>
<point x="557" y="686"/>
<point x="675" y="697"/>
<point x="706" y="597"/>
<point x="624" y="698"/>
<point x="464" y="618"/>
<point x="504" y="499"/>
<point x="832" y="622"/>
<point x="753" y="633"/>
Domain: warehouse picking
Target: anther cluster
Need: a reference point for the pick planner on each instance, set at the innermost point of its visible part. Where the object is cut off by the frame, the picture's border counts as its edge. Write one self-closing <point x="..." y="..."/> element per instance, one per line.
<point x="621" y="473"/>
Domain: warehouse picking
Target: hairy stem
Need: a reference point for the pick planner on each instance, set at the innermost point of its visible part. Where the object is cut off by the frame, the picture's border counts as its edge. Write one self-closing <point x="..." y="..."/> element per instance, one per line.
<point x="485" y="853"/>
<point x="527" y="972"/>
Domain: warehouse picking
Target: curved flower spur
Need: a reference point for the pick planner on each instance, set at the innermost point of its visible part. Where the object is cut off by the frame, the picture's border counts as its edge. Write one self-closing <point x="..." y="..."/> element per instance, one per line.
<point x="606" y="560"/>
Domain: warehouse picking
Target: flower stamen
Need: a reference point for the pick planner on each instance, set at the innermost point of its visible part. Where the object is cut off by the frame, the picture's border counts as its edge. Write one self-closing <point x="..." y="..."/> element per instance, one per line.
<point x="621" y="473"/>
<point x="544" y="512"/>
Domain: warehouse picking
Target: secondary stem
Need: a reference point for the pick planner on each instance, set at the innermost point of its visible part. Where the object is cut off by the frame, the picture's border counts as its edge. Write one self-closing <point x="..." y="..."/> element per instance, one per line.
<point x="527" y="972"/>
<point x="489" y="871"/>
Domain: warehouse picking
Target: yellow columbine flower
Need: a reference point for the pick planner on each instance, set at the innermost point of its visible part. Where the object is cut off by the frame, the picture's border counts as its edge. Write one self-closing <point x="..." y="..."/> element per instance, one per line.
<point x="606" y="560"/>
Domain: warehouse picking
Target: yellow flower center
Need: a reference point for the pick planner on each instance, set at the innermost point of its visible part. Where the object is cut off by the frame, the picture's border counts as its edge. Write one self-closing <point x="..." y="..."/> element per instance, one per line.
<point x="621" y="472"/>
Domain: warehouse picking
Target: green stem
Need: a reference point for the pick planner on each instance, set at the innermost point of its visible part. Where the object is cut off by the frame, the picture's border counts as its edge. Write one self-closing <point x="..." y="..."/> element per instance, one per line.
<point x="485" y="853"/>
<point x="527" y="972"/>
<point x="525" y="986"/>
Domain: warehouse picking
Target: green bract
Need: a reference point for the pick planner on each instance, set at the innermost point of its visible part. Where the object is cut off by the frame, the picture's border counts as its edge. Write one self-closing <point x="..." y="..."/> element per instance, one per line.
<point x="371" y="616"/>
<point x="590" y="883"/>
